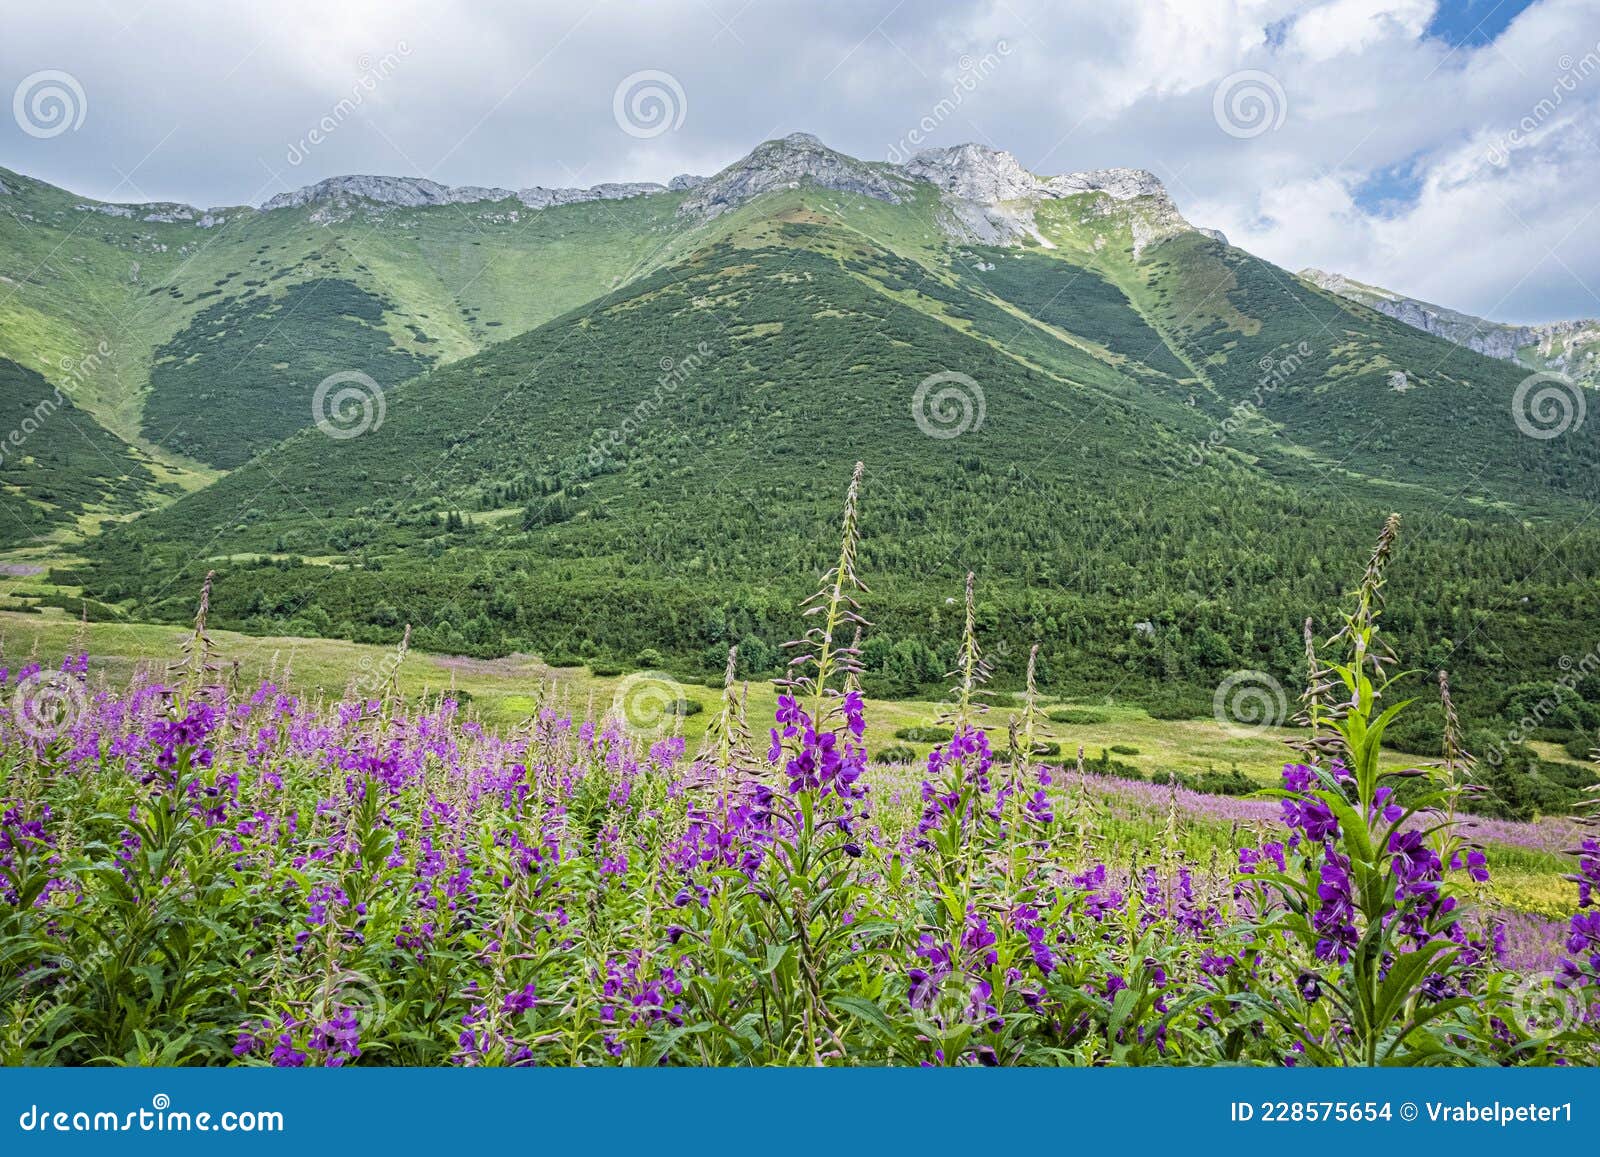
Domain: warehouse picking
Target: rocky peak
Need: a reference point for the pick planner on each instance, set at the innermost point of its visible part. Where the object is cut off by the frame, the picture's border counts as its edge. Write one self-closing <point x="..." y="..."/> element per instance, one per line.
<point x="1118" y="184"/>
<point x="418" y="192"/>
<point x="410" y="192"/>
<point x="786" y="163"/>
<point x="979" y="173"/>
<point x="974" y="173"/>
<point x="992" y="198"/>
<point x="1333" y="282"/>
<point x="987" y="194"/>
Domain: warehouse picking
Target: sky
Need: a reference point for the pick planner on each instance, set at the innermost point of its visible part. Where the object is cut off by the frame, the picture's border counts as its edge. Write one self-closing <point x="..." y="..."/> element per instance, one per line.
<point x="1446" y="149"/>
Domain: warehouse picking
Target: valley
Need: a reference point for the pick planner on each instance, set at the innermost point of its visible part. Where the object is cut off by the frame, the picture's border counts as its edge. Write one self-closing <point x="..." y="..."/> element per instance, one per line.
<point x="591" y="425"/>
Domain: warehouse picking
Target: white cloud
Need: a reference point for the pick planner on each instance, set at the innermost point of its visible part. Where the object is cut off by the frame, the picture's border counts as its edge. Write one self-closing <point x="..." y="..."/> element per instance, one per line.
<point x="200" y="102"/>
<point x="1345" y="26"/>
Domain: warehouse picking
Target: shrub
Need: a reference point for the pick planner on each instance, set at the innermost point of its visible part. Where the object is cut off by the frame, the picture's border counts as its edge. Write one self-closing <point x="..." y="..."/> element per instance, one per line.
<point x="1230" y="782"/>
<point x="1124" y="749"/>
<point x="1569" y="775"/>
<point x="924" y="734"/>
<point x="1105" y="765"/>
<point x="1176" y="705"/>
<point x="1080" y="716"/>
<point x="604" y="669"/>
<point x="895" y="753"/>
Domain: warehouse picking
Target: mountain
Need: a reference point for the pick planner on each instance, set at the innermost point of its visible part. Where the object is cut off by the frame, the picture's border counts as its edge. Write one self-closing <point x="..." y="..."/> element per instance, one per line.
<point x="1159" y="452"/>
<point x="61" y="472"/>
<point x="209" y="311"/>
<point x="206" y="313"/>
<point x="1570" y="348"/>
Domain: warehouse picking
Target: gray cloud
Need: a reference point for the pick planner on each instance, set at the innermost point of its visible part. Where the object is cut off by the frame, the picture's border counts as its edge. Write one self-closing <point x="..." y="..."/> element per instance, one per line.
<point x="196" y="102"/>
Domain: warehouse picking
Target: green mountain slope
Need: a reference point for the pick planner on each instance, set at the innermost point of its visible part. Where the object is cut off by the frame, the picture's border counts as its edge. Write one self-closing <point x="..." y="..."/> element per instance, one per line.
<point x="60" y="470"/>
<point x="1351" y="390"/>
<point x="205" y="315"/>
<point x="660" y="468"/>
<point x="1569" y="348"/>
<point x="618" y="425"/>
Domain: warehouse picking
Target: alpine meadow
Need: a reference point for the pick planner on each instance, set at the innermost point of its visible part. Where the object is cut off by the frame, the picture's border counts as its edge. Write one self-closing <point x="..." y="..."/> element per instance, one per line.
<point x="830" y="611"/>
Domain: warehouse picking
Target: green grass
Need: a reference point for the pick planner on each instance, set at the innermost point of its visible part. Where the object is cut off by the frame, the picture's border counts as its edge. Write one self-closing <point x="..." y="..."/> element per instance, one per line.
<point x="451" y="282"/>
<point x="698" y="526"/>
<point x="475" y="514"/>
<point x="506" y="692"/>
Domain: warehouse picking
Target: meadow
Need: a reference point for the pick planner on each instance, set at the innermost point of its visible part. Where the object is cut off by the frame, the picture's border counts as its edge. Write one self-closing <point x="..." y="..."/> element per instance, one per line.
<point x="312" y="865"/>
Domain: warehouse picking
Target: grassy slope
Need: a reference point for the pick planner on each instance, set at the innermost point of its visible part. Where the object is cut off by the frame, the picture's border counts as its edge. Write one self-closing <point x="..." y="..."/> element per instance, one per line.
<point x="1130" y="362"/>
<point x="722" y="501"/>
<point x="61" y="472"/>
<point x="505" y="693"/>
<point x="449" y="282"/>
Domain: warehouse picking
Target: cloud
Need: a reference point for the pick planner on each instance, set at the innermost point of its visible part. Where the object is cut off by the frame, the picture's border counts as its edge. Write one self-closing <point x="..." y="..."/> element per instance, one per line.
<point x="1347" y="26"/>
<point x="207" y="103"/>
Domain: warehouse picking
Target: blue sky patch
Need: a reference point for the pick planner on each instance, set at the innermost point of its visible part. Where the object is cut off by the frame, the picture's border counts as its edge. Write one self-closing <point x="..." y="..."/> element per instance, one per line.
<point x="1390" y="190"/>
<point x="1473" y="23"/>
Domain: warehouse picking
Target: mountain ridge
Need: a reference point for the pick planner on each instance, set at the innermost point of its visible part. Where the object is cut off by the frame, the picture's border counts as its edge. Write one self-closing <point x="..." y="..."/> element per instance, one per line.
<point x="1570" y="348"/>
<point x="969" y="173"/>
<point x="1056" y="381"/>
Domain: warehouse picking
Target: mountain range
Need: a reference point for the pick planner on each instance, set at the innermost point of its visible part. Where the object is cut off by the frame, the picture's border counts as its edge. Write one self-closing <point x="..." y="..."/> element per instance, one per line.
<point x="617" y="421"/>
<point x="1569" y="348"/>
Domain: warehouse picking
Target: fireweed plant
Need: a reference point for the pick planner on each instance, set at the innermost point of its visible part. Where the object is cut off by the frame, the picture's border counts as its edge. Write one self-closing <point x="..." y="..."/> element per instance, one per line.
<point x="197" y="873"/>
<point x="1357" y="905"/>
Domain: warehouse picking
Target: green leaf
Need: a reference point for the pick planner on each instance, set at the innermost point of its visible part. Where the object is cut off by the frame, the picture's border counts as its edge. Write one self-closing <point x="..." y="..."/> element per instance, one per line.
<point x="866" y="1010"/>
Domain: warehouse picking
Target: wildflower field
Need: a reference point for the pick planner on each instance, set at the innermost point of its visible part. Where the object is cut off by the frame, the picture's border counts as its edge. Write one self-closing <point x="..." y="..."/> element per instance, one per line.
<point x="198" y="873"/>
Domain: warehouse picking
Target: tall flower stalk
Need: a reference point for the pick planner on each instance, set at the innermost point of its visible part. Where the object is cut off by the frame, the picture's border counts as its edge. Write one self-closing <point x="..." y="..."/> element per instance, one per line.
<point x="807" y="886"/>
<point x="1361" y="911"/>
